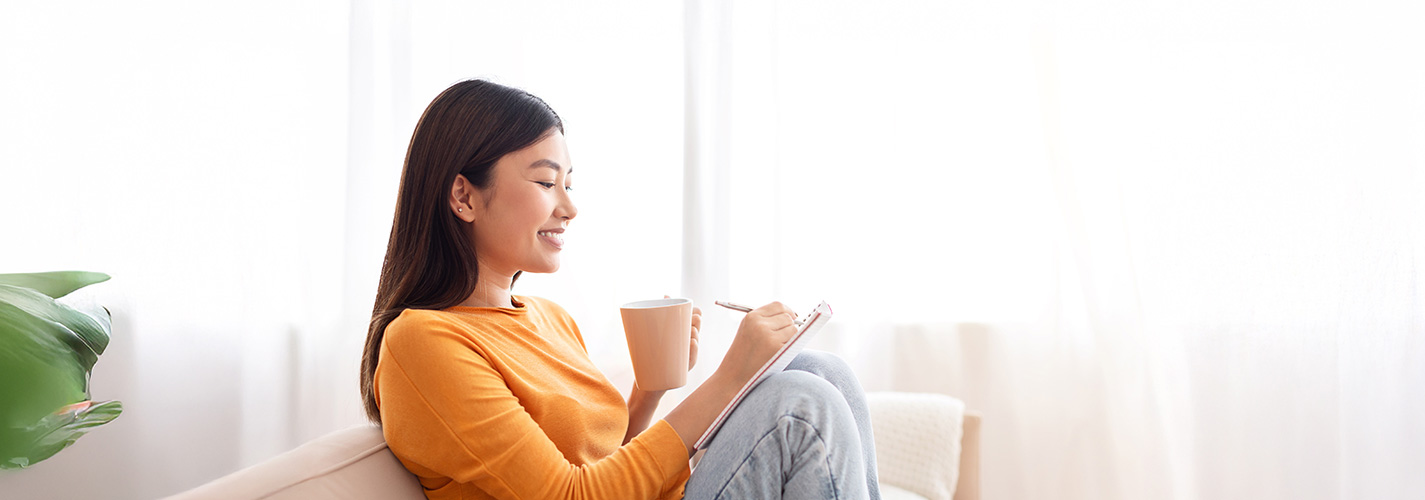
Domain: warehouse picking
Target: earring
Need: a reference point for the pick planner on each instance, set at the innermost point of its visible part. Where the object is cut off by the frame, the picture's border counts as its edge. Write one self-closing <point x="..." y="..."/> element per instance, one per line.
<point x="459" y="210"/>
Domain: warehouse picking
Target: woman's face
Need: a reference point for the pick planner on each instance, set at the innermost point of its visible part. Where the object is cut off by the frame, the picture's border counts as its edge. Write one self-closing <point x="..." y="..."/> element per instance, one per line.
<point x="520" y="216"/>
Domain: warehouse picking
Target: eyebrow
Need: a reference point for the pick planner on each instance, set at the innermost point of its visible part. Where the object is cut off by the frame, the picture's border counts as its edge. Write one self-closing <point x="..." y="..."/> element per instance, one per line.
<point x="549" y="164"/>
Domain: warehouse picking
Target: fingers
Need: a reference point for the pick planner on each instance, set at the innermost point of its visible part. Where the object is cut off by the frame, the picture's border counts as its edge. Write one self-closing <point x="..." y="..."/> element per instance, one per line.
<point x="697" y="321"/>
<point x="693" y="343"/>
<point x="777" y="320"/>
<point x="772" y="309"/>
<point x="693" y="350"/>
<point x="776" y="309"/>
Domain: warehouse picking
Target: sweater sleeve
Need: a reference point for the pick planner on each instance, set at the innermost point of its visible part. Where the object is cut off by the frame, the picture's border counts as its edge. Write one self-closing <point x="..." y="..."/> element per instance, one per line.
<point x="446" y="409"/>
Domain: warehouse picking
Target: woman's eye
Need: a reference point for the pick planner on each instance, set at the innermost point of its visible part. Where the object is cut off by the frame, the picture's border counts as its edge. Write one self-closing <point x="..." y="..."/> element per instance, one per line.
<point x="546" y="185"/>
<point x="569" y="188"/>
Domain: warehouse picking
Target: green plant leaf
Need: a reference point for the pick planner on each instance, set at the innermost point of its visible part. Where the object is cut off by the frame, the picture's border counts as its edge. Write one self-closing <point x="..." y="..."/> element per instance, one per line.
<point x="87" y="335"/>
<point x="47" y="350"/>
<point x="55" y="284"/>
<point x="39" y="374"/>
<point x="86" y="305"/>
<point x="57" y="431"/>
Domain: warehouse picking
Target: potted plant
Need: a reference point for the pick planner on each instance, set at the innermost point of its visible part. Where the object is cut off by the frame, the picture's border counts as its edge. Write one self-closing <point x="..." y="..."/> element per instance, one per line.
<point x="47" y="349"/>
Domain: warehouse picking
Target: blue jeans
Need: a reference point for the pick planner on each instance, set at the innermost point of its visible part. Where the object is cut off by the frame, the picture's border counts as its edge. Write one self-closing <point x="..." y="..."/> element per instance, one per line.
<point x="802" y="433"/>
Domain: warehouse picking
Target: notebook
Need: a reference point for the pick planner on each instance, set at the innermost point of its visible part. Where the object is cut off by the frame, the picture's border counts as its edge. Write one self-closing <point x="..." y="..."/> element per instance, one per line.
<point x="813" y="323"/>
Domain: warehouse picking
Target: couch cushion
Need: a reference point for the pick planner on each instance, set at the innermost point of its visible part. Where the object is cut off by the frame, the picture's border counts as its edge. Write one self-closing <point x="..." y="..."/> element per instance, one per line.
<point x="889" y="492"/>
<point x="917" y="441"/>
<point x="351" y="463"/>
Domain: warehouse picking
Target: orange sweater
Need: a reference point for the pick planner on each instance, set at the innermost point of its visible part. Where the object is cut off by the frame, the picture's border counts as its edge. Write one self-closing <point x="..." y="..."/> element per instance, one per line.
<point x="487" y="402"/>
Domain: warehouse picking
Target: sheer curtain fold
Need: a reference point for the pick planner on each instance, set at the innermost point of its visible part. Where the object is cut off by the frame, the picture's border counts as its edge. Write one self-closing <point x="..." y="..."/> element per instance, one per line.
<point x="188" y="151"/>
<point x="1146" y="244"/>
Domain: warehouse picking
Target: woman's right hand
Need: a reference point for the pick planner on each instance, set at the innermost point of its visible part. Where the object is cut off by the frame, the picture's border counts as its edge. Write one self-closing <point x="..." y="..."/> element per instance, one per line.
<point x="760" y="335"/>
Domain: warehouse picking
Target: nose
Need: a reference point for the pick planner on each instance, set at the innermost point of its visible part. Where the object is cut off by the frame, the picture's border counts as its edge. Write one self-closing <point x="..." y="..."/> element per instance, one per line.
<point x="566" y="209"/>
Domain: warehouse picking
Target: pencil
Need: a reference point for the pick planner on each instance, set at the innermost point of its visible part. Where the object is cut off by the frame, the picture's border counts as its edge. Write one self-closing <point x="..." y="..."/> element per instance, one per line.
<point x="740" y="307"/>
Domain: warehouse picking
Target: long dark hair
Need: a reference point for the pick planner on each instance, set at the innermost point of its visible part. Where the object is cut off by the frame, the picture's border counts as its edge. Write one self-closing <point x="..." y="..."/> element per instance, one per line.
<point x="430" y="259"/>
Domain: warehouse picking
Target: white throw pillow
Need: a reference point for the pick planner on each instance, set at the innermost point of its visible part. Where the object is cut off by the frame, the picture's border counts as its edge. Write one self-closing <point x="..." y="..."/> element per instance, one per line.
<point x="918" y="441"/>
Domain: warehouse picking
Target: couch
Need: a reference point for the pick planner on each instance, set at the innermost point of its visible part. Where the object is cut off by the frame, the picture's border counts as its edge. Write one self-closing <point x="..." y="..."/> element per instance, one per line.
<point x="927" y="447"/>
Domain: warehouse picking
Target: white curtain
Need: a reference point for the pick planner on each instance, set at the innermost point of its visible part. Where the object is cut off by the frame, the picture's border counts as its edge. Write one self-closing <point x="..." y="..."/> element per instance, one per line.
<point x="234" y="168"/>
<point x="1168" y="251"/>
<point x="197" y="154"/>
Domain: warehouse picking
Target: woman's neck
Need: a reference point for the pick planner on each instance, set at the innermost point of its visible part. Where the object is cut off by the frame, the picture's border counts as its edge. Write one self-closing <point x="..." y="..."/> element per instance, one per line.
<point x="492" y="289"/>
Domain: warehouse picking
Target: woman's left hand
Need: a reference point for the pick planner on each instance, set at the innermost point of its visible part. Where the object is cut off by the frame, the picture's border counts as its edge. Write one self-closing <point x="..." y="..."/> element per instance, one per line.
<point x="693" y="343"/>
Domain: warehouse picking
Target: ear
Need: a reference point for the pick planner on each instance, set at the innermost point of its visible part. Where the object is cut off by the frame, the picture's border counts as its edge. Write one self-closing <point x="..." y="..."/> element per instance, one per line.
<point x="464" y="198"/>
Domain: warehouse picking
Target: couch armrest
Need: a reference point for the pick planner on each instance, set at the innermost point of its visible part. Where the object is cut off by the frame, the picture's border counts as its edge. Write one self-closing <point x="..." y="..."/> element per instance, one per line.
<point x="969" y="484"/>
<point x="351" y="463"/>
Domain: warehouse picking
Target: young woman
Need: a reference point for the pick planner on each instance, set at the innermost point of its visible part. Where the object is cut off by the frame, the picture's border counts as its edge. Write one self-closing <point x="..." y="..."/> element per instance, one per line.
<point x="486" y="394"/>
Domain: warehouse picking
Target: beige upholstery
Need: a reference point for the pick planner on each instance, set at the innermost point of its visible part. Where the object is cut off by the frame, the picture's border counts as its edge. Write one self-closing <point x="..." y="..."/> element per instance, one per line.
<point x="351" y="463"/>
<point x="969" y="486"/>
<point x="355" y="464"/>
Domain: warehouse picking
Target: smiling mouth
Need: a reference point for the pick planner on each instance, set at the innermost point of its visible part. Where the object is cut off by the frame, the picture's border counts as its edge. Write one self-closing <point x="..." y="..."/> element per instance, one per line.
<point x="552" y="238"/>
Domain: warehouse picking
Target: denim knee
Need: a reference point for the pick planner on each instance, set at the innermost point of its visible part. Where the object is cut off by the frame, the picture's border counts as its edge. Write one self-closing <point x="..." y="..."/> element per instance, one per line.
<point x="795" y="430"/>
<point x="805" y="395"/>
<point x="830" y="366"/>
